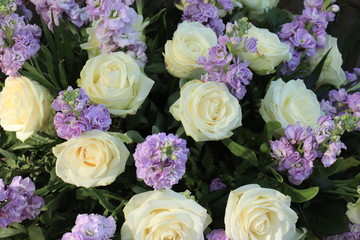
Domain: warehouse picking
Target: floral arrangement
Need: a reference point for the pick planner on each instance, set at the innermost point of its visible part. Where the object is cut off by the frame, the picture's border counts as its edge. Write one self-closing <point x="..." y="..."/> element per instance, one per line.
<point x="179" y="119"/>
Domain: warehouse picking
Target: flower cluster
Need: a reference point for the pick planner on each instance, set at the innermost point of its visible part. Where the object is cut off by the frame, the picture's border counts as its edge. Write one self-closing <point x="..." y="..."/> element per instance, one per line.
<point x="307" y="32"/>
<point x="217" y="234"/>
<point x="205" y="13"/>
<point x="344" y="108"/>
<point x="75" y="114"/>
<point x="18" y="41"/>
<point x="160" y="160"/>
<point x="91" y="227"/>
<point x="222" y="63"/>
<point x="20" y="201"/>
<point x="298" y="149"/>
<point x="53" y="10"/>
<point x="352" y="235"/>
<point x="117" y="27"/>
<point x="216" y="184"/>
<point x="353" y="76"/>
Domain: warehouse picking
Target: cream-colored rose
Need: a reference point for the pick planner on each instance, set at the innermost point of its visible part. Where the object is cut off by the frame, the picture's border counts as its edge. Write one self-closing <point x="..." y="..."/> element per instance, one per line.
<point x="191" y="40"/>
<point x="256" y="213"/>
<point x="163" y="215"/>
<point x="95" y="158"/>
<point x="207" y="110"/>
<point x="289" y="103"/>
<point x="270" y="51"/>
<point x="353" y="212"/>
<point x="92" y="46"/>
<point x="257" y="8"/>
<point x="116" y="81"/>
<point x="25" y="107"/>
<point x="331" y="73"/>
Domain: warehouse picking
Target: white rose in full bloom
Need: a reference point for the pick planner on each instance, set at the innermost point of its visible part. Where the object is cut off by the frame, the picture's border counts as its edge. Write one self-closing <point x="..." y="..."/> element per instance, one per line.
<point x="256" y="213"/>
<point x="289" y="103"/>
<point x="161" y="215"/>
<point x="25" y="107"/>
<point x="331" y="73"/>
<point x="191" y="40"/>
<point x="258" y="7"/>
<point x="116" y="81"/>
<point x="95" y="158"/>
<point x="270" y="51"/>
<point x="207" y="110"/>
<point x="353" y="212"/>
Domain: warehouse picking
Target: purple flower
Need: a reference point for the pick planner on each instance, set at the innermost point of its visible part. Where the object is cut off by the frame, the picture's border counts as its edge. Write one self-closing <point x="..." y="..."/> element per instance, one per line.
<point x="354" y="234"/>
<point x="97" y="117"/>
<point x="300" y="171"/>
<point x="350" y="76"/>
<point x="227" y="5"/>
<point x="353" y="102"/>
<point x="251" y="44"/>
<point x="21" y="203"/>
<point x="326" y="126"/>
<point x="217" y="234"/>
<point x="205" y="13"/>
<point x="72" y="236"/>
<point x="216" y="185"/>
<point x="160" y="160"/>
<point x="338" y="96"/>
<point x="68" y="126"/>
<point x="237" y="77"/>
<point x="333" y="151"/>
<point x="91" y="227"/>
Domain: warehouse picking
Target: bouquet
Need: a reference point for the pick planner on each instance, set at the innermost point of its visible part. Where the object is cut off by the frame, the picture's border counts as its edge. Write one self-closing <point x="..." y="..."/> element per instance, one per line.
<point x="187" y="119"/>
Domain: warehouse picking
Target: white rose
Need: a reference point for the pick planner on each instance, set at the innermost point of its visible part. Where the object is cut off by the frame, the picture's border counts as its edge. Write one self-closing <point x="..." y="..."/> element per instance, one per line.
<point x="95" y="158"/>
<point x="257" y="8"/>
<point x="207" y="110"/>
<point x="259" y="213"/>
<point x="25" y="107"/>
<point x="115" y="80"/>
<point x="191" y="40"/>
<point x="289" y="103"/>
<point x="331" y="73"/>
<point x="92" y="46"/>
<point x="161" y="215"/>
<point x="353" y="212"/>
<point x="270" y="51"/>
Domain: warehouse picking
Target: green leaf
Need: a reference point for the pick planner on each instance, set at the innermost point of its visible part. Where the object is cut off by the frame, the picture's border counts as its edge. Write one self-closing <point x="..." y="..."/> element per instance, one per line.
<point x="327" y="219"/>
<point x="155" y="130"/>
<point x="311" y="80"/>
<point x="155" y="68"/>
<point x="270" y="128"/>
<point x="7" y="154"/>
<point x="300" y="195"/>
<point x="123" y="137"/>
<point x="241" y="151"/>
<point x="340" y="165"/>
<point x="35" y="233"/>
<point x="135" y="136"/>
<point x="12" y="230"/>
<point x="103" y="200"/>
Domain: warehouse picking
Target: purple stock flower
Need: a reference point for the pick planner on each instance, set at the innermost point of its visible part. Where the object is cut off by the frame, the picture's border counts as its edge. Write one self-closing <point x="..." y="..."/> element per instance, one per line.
<point x="351" y="76"/>
<point x="354" y="234"/>
<point x="75" y="114"/>
<point x="68" y="126"/>
<point x="338" y="95"/>
<point x="331" y="154"/>
<point x="326" y="126"/>
<point x="216" y="185"/>
<point x="91" y="227"/>
<point x="353" y="102"/>
<point x="97" y="116"/>
<point x="217" y="234"/>
<point x="205" y="13"/>
<point x="300" y="171"/>
<point x="251" y="44"/>
<point x="227" y="5"/>
<point x="160" y="160"/>
<point x="21" y="203"/>
<point x="237" y="77"/>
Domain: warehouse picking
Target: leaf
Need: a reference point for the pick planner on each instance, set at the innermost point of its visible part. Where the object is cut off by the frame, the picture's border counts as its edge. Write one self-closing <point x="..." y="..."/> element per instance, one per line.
<point x="241" y="151"/>
<point x="135" y="136"/>
<point x="311" y="80"/>
<point x="35" y="233"/>
<point x="300" y="195"/>
<point x="123" y="137"/>
<point x="327" y="219"/>
<point x="155" y="130"/>
<point x="7" y="154"/>
<point x="155" y="68"/>
<point x="340" y="165"/>
<point x="12" y="230"/>
<point x="270" y="128"/>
